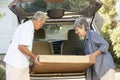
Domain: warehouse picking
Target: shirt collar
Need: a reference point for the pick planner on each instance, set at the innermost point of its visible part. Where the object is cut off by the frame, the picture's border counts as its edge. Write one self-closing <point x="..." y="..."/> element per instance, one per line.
<point x="88" y="34"/>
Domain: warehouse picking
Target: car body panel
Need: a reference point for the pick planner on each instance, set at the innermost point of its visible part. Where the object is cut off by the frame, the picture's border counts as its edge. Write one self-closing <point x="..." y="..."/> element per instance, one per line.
<point x="90" y="7"/>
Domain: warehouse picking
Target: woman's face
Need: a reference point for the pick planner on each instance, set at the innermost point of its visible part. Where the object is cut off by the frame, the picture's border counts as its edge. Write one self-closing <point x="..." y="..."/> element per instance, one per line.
<point x="80" y="31"/>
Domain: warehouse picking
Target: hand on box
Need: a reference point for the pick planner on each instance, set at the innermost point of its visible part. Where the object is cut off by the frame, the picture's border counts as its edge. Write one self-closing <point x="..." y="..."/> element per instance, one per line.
<point x="37" y="60"/>
<point x="92" y="58"/>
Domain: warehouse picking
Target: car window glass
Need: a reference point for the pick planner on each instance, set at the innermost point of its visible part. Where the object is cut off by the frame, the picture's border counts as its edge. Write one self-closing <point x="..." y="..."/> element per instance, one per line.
<point x="57" y="32"/>
<point x="37" y="5"/>
<point x="68" y="5"/>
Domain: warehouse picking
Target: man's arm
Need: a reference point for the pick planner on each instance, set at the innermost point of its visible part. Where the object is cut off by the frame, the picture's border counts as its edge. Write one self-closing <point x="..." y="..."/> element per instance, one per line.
<point x="25" y="51"/>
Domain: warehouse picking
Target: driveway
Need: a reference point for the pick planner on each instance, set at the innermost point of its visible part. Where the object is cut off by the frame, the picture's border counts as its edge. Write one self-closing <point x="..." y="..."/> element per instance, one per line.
<point x="117" y="76"/>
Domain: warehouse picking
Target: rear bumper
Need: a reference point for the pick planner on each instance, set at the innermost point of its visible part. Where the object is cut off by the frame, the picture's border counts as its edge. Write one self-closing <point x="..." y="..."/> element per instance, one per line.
<point x="59" y="78"/>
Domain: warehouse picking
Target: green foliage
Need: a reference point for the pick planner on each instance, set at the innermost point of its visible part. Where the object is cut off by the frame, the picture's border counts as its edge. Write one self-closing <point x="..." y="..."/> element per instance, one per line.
<point x="110" y="30"/>
<point x="108" y="10"/>
<point x="2" y="73"/>
<point x="115" y="38"/>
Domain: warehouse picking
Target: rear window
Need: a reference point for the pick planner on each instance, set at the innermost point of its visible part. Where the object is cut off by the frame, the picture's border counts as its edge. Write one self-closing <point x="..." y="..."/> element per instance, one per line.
<point x="68" y="5"/>
<point x="57" y="31"/>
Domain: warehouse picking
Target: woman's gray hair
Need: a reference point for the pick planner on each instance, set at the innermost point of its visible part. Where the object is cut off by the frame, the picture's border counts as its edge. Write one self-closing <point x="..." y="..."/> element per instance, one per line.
<point x="81" y="21"/>
<point x="39" y="15"/>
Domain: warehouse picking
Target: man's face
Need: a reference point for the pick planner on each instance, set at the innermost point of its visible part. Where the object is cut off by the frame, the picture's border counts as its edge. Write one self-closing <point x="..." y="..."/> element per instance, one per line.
<point x="40" y="24"/>
<point x="80" y="31"/>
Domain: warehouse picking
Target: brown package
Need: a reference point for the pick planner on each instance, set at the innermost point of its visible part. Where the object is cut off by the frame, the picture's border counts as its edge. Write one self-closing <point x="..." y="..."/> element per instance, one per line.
<point x="61" y="64"/>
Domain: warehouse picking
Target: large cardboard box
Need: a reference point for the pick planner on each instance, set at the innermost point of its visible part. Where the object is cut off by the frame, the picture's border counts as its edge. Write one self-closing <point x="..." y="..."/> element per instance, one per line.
<point x="61" y="64"/>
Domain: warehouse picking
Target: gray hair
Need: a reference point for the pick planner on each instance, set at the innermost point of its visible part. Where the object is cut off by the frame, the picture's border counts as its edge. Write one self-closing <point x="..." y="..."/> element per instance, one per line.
<point x="81" y="21"/>
<point x="39" y="15"/>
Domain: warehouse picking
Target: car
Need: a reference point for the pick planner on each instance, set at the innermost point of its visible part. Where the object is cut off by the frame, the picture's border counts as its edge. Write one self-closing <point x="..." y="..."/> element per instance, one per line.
<point x="57" y="36"/>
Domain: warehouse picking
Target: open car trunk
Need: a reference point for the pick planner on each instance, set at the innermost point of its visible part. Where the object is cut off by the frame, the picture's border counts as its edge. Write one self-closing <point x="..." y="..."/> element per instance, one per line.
<point x="58" y="65"/>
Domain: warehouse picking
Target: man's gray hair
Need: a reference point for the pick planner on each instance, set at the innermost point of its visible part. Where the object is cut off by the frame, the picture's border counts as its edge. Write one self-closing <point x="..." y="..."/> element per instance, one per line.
<point x="81" y="21"/>
<point x="39" y="15"/>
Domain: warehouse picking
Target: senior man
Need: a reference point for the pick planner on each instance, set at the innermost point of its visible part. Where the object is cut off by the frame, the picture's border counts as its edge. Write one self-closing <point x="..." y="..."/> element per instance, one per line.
<point x="19" y="51"/>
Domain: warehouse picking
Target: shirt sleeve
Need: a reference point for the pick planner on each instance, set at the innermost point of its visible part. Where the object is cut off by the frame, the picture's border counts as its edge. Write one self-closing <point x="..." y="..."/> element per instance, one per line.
<point x="26" y="36"/>
<point x="100" y="42"/>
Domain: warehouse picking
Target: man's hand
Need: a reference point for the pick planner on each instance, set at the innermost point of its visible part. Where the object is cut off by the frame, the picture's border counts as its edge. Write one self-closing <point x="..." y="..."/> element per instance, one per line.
<point x="37" y="60"/>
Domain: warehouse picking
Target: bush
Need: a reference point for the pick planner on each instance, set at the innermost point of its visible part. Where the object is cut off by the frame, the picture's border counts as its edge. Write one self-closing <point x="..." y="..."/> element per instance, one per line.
<point x="2" y="73"/>
<point x="110" y="29"/>
<point x="115" y="38"/>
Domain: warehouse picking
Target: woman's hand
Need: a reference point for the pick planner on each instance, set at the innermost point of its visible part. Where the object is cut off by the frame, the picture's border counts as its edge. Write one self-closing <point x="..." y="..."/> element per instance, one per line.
<point x="93" y="56"/>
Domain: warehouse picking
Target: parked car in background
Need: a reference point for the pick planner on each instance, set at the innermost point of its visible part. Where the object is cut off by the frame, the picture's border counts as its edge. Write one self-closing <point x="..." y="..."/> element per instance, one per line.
<point x="57" y="36"/>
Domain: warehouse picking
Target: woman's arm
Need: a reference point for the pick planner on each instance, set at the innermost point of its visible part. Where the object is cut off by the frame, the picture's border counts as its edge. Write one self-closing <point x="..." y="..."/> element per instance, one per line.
<point x="101" y="45"/>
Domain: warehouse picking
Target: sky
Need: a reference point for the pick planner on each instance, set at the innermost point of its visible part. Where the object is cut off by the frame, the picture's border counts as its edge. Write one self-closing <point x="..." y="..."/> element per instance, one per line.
<point x="118" y="9"/>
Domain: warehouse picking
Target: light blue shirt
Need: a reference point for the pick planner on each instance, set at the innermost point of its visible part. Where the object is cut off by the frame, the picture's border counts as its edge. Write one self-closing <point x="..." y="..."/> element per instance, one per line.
<point x="104" y="61"/>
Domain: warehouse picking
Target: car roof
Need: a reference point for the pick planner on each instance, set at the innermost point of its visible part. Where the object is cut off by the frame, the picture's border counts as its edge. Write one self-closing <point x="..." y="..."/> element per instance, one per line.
<point x="69" y="16"/>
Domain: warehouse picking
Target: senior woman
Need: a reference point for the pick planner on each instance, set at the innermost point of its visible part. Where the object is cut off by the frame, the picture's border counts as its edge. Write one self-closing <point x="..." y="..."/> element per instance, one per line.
<point x="96" y="48"/>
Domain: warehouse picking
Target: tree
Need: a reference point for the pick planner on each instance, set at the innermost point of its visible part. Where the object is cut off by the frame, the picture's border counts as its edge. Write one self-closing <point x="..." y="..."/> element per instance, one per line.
<point x="115" y="38"/>
<point x="108" y="10"/>
<point x="110" y="28"/>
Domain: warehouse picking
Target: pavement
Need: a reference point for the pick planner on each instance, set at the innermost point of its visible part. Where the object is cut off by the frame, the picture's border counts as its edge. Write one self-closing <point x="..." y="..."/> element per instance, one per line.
<point x="117" y="76"/>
